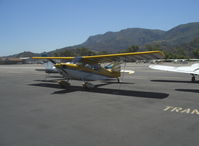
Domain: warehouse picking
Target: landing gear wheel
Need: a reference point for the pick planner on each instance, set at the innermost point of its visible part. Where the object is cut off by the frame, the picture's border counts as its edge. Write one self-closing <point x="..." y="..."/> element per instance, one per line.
<point x="64" y="83"/>
<point x="87" y="85"/>
<point x="193" y="79"/>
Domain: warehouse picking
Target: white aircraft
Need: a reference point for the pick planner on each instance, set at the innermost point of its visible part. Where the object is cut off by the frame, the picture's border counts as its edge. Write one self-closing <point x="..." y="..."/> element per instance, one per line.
<point x="192" y="70"/>
<point x="50" y="68"/>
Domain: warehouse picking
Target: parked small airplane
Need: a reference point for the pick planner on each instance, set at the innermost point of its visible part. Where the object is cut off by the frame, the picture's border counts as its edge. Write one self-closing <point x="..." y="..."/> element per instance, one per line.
<point x="89" y="68"/>
<point x="192" y="70"/>
<point x="49" y="67"/>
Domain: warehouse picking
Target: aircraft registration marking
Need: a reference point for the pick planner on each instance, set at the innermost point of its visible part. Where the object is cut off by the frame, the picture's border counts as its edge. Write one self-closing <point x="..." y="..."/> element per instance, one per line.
<point x="181" y="110"/>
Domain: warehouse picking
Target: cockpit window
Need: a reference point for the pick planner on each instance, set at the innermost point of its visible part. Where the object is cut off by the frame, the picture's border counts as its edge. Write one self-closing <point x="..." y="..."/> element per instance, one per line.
<point x="93" y="66"/>
<point x="77" y="60"/>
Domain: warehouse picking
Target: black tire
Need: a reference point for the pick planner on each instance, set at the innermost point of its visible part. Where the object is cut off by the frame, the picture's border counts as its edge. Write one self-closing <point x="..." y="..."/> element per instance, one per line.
<point x="193" y="79"/>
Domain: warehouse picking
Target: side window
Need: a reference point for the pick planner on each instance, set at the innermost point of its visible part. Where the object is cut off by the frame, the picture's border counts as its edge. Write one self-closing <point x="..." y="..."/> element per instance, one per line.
<point x="88" y="66"/>
<point x="93" y="66"/>
<point x="96" y="66"/>
<point x="79" y="63"/>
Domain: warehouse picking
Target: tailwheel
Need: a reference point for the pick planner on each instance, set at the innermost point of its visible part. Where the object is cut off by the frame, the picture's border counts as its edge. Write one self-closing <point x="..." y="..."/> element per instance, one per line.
<point x="88" y="85"/>
<point x="63" y="83"/>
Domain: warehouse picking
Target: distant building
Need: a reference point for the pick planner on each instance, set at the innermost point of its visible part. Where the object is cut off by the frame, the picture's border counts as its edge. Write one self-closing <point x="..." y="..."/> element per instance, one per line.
<point x="21" y="60"/>
<point x="11" y="61"/>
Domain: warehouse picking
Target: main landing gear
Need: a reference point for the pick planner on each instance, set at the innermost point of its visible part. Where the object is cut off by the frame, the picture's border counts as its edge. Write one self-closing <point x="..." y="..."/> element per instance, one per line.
<point x="64" y="83"/>
<point x="87" y="85"/>
<point x="193" y="79"/>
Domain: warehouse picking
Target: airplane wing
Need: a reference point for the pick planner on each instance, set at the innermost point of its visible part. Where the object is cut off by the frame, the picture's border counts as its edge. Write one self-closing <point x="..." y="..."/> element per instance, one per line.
<point x="66" y="58"/>
<point x="124" y="57"/>
<point x="193" y="69"/>
<point x="148" y="55"/>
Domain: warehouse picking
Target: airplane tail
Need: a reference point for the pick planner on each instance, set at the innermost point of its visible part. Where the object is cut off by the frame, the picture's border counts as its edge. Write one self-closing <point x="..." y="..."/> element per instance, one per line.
<point x="49" y="67"/>
<point x="116" y="67"/>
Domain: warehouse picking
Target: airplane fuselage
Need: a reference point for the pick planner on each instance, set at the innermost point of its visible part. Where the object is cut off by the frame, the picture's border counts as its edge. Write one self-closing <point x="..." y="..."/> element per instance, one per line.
<point x="193" y="69"/>
<point x="86" y="72"/>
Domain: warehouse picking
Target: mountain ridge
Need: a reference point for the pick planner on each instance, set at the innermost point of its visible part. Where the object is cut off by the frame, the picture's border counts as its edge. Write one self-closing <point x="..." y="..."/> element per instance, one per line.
<point x="117" y="41"/>
<point x="182" y="36"/>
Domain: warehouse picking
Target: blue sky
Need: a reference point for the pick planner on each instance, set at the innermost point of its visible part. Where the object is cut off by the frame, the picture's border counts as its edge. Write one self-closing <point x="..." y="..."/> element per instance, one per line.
<point x="45" y="25"/>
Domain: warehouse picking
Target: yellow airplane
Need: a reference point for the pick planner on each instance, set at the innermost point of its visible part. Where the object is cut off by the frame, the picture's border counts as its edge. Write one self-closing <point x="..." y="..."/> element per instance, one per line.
<point x="89" y="68"/>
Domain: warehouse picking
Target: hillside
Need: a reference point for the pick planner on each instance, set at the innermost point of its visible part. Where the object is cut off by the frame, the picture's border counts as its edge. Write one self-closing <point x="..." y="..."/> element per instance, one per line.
<point x="182" y="38"/>
<point x="24" y="54"/>
<point x="181" y="35"/>
<point x="123" y="39"/>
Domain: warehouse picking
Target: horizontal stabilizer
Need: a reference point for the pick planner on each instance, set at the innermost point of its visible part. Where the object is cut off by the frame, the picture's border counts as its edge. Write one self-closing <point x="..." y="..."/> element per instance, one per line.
<point x="128" y="71"/>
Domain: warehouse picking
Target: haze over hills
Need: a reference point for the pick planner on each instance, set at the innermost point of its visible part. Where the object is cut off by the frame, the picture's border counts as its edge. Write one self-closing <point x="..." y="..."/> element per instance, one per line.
<point x="24" y="54"/>
<point x="185" y="36"/>
<point x="123" y="39"/>
<point x="181" y="34"/>
<point x="117" y="41"/>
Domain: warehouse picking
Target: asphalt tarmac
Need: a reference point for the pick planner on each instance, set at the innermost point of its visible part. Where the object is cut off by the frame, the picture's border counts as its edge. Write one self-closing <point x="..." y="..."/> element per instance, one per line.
<point x="149" y="108"/>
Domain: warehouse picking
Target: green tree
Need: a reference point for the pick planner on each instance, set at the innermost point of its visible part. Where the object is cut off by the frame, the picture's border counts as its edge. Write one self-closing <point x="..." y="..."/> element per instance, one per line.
<point x="196" y="53"/>
<point x="68" y="53"/>
<point x="56" y="54"/>
<point x="152" y="47"/>
<point x="133" y="48"/>
<point x="84" y="52"/>
<point x="102" y="53"/>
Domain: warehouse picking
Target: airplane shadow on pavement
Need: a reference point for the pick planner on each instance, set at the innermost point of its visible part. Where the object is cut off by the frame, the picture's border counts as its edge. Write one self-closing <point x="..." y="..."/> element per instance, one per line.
<point x="188" y="90"/>
<point x="175" y="81"/>
<point x="122" y="92"/>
